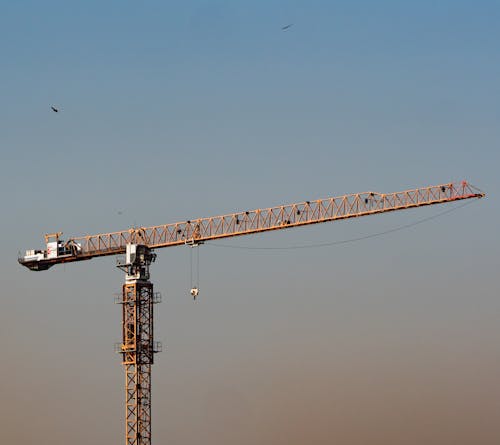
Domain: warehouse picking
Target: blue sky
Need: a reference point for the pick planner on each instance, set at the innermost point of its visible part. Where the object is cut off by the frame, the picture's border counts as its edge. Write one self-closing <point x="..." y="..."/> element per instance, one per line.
<point x="177" y="110"/>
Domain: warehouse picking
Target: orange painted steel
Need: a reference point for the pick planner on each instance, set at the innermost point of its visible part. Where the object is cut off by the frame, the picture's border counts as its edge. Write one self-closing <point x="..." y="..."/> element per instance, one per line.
<point x="262" y="220"/>
<point x="138" y="350"/>
<point x="138" y="346"/>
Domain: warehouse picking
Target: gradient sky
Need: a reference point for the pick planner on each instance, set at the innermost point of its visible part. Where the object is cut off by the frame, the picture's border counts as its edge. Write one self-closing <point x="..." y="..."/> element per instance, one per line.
<point x="177" y="110"/>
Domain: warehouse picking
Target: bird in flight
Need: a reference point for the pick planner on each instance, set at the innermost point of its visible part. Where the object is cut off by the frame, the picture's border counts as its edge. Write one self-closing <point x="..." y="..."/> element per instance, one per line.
<point x="284" y="28"/>
<point x="54" y="109"/>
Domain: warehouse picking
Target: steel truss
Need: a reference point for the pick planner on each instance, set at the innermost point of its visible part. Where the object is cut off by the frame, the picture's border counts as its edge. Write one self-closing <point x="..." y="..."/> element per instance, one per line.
<point x="262" y="220"/>
<point x="138" y="346"/>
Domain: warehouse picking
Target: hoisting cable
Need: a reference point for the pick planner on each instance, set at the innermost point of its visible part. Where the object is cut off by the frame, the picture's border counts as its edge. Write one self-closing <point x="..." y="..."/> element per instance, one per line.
<point x="197" y="266"/>
<point x="346" y="241"/>
<point x="191" y="267"/>
<point x="195" y="286"/>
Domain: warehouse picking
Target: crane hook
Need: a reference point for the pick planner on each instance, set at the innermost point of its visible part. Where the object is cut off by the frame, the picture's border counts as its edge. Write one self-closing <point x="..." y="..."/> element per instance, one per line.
<point x="194" y="292"/>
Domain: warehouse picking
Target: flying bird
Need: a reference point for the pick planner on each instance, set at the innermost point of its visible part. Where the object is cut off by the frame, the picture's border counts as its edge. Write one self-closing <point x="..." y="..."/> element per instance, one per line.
<point x="54" y="109"/>
<point x="284" y="28"/>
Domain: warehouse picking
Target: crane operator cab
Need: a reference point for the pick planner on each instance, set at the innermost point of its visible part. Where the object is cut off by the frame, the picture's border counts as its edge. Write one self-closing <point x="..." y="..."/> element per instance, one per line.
<point x="56" y="248"/>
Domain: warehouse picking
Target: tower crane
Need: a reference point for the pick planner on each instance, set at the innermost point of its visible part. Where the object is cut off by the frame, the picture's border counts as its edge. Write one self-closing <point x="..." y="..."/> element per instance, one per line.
<point x="138" y="244"/>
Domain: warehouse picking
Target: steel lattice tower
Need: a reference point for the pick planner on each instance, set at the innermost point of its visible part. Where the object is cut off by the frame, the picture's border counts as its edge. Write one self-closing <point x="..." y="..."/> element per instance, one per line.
<point x="138" y="346"/>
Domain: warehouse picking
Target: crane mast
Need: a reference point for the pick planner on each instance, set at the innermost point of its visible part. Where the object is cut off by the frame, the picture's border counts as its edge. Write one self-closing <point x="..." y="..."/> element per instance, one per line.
<point x="138" y="298"/>
<point x="138" y="346"/>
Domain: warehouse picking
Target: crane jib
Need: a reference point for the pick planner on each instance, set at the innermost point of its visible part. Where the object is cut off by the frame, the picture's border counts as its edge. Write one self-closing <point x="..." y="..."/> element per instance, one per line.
<point x="242" y="223"/>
